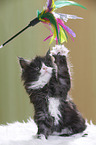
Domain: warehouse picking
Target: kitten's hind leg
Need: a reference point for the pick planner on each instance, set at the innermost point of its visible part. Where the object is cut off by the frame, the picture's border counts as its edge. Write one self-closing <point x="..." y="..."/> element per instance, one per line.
<point x="43" y="130"/>
<point x="44" y="124"/>
<point x="70" y="132"/>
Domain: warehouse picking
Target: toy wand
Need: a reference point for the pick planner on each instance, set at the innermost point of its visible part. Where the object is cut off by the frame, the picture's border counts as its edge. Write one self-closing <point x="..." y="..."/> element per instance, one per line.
<point x="55" y="21"/>
<point x="32" y="23"/>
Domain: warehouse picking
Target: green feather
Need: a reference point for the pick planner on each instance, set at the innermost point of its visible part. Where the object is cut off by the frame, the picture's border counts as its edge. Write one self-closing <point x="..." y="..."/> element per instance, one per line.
<point x="59" y="4"/>
<point x="52" y="20"/>
<point x="38" y="13"/>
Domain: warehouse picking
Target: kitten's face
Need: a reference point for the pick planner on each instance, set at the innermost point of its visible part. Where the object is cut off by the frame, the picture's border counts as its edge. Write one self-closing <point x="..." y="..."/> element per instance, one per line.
<point x="36" y="74"/>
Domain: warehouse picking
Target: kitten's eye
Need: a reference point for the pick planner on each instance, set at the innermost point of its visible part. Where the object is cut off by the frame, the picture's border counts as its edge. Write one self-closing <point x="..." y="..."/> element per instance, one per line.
<point x="37" y="68"/>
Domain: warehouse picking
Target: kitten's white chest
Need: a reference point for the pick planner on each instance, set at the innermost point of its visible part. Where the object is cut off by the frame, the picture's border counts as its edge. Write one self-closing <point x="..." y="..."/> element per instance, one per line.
<point x="54" y="108"/>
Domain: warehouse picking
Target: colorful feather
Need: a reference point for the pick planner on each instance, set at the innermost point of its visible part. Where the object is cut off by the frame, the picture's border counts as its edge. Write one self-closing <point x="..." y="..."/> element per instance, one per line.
<point x="50" y="5"/>
<point x="65" y="17"/>
<point x="59" y="4"/>
<point x="49" y="35"/>
<point x="55" y="22"/>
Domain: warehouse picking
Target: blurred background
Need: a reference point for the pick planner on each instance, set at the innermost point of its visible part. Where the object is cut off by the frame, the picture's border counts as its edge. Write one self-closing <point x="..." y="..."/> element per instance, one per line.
<point x="15" y="15"/>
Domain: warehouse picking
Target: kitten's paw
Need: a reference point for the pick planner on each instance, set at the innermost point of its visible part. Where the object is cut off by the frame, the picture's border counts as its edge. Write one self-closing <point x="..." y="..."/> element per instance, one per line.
<point x="59" y="50"/>
<point x="41" y="136"/>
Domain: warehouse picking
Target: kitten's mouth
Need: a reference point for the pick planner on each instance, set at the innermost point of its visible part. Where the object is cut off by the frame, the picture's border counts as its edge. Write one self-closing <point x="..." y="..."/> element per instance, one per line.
<point x="46" y="73"/>
<point x="45" y="70"/>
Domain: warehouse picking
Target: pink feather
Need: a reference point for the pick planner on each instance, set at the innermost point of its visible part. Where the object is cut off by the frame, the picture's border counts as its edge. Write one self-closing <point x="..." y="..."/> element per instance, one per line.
<point x="70" y="32"/>
<point x="50" y="32"/>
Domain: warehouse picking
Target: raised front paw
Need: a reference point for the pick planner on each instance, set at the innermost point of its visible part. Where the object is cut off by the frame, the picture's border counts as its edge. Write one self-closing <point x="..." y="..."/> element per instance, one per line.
<point x="59" y="50"/>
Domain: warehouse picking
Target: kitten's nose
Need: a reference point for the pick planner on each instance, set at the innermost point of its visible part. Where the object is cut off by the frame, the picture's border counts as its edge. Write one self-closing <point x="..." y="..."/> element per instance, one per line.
<point x="44" y="68"/>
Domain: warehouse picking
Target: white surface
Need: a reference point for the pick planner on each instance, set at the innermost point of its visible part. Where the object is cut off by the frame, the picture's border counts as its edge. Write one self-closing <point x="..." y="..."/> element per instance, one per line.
<point x="24" y="134"/>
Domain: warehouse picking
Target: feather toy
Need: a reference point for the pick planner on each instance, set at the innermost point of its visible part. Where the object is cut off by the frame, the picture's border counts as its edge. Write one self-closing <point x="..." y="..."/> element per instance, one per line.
<point x="54" y="21"/>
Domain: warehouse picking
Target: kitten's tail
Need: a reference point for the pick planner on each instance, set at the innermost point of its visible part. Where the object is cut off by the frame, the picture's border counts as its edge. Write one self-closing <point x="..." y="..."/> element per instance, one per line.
<point x="67" y="135"/>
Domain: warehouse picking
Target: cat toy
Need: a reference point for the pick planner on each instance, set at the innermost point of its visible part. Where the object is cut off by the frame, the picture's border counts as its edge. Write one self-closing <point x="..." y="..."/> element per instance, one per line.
<point x="53" y="21"/>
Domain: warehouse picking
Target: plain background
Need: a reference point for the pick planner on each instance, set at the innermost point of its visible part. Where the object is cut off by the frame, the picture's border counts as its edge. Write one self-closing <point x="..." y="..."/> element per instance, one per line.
<point x="15" y="15"/>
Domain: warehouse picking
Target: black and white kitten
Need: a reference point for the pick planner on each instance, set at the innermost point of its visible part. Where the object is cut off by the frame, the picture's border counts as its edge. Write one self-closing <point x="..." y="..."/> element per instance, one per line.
<point x="47" y="81"/>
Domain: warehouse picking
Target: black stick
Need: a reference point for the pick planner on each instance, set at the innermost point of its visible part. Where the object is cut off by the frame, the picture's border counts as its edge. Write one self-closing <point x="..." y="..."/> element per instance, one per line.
<point x="32" y="23"/>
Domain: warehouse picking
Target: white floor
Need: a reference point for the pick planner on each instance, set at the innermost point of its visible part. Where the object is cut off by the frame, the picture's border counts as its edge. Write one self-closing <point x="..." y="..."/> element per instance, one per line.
<point x="24" y="134"/>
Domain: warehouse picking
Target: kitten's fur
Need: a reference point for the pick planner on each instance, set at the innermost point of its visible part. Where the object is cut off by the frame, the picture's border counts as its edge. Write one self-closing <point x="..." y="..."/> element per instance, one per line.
<point x="48" y="91"/>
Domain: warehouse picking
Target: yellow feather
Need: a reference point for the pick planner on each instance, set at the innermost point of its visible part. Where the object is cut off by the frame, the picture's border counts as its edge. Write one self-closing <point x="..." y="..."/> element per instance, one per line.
<point x="63" y="37"/>
<point x="54" y="35"/>
<point x="53" y="5"/>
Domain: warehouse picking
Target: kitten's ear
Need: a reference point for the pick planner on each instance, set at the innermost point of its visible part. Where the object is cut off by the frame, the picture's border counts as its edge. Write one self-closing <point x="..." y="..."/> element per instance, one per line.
<point x="48" y="53"/>
<point x="23" y="62"/>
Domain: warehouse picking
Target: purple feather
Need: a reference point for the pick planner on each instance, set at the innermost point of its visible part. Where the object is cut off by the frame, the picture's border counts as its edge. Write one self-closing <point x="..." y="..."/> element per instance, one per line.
<point x="66" y="27"/>
<point x="70" y="31"/>
<point x="49" y="3"/>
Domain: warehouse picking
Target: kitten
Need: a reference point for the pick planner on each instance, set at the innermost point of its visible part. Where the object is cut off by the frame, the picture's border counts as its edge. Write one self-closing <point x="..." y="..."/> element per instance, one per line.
<point x="47" y="81"/>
